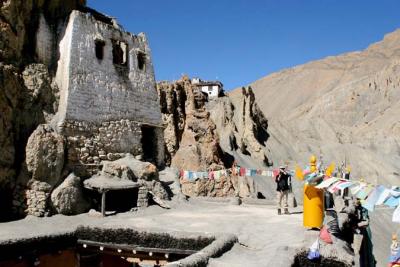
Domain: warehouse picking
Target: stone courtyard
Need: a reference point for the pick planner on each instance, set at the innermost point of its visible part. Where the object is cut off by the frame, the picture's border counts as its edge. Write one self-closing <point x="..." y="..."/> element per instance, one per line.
<point x="262" y="235"/>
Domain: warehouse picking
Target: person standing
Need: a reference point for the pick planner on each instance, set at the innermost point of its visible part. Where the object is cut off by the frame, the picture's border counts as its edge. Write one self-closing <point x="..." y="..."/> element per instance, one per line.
<point x="367" y="258"/>
<point x="283" y="181"/>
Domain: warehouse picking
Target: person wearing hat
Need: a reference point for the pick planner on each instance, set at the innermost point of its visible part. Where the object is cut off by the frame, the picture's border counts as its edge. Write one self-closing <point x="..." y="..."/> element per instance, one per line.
<point x="283" y="181"/>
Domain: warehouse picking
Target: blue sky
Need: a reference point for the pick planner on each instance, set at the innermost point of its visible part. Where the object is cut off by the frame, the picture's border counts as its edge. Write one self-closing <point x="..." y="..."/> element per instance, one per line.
<point x="240" y="41"/>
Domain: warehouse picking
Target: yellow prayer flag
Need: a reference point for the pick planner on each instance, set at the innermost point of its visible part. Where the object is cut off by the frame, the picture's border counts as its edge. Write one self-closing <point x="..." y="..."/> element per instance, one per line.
<point x="330" y="170"/>
<point x="299" y="173"/>
<point x="348" y="169"/>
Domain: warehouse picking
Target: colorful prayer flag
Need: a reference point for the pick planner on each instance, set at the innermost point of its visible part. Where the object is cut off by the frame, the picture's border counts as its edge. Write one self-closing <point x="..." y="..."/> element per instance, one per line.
<point x="373" y="198"/>
<point x="299" y="173"/>
<point x="329" y="170"/>
<point x="328" y="182"/>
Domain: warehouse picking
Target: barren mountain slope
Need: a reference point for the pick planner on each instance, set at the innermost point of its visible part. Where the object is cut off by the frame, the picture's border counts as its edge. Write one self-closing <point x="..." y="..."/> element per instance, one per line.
<point x="337" y="107"/>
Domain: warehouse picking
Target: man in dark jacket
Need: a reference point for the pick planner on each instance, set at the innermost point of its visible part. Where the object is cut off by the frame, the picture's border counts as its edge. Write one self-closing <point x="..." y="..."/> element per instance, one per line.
<point x="282" y="187"/>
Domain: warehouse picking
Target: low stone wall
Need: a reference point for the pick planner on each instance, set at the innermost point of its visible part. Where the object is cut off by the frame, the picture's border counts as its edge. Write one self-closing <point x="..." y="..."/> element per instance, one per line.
<point x="37" y="199"/>
<point x="143" y="200"/>
<point x="90" y="143"/>
<point x="301" y="260"/>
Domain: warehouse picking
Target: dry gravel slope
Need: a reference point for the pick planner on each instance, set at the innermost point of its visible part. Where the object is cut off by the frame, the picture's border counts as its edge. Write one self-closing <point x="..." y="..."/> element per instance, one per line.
<point x="337" y="107"/>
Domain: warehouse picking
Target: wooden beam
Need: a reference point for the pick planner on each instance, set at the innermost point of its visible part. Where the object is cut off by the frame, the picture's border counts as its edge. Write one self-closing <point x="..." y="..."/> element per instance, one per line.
<point x="127" y="254"/>
<point x="138" y="249"/>
<point x="103" y="203"/>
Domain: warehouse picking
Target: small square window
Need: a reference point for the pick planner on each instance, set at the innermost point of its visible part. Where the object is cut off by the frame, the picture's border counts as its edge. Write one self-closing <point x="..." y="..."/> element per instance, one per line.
<point x="119" y="52"/>
<point x="99" y="48"/>
<point x="141" y="60"/>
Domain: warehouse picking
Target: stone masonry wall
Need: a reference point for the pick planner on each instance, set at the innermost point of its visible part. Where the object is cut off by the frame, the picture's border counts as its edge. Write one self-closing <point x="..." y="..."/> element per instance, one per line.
<point x="90" y="143"/>
<point x="97" y="90"/>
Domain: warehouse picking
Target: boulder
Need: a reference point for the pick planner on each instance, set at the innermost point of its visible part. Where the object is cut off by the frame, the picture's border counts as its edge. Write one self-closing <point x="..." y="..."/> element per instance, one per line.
<point x="157" y="189"/>
<point x="39" y="90"/>
<point x="68" y="197"/>
<point x="118" y="169"/>
<point x="170" y="177"/>
<point x="130" y="168"/>
<point x="45" y="155"/>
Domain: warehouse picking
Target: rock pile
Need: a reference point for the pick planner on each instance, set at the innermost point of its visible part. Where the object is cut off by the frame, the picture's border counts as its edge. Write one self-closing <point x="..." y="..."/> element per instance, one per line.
<point x="44" y="162"/>
<point x="37" y="198"/>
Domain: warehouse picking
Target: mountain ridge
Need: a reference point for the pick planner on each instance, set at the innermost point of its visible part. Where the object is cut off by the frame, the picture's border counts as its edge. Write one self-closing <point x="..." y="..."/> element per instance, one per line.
<point x="340" y="107"/>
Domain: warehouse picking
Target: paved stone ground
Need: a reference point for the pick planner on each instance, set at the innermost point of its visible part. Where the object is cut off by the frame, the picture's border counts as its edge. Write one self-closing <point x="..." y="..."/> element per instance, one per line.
<point x="262" y="233"/>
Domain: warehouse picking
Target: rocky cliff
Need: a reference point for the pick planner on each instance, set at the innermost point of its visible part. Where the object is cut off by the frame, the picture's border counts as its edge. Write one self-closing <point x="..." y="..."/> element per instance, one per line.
<point x="340" y="108"/>
<point x="190" y="135"/>
<point x="28" y="96"/>
<point x="204" y="134"/>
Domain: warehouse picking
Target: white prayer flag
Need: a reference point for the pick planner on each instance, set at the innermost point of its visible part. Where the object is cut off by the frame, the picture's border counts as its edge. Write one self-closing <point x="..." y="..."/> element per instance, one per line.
<point x="396" y="215"/>
<point x="326" y="183"/>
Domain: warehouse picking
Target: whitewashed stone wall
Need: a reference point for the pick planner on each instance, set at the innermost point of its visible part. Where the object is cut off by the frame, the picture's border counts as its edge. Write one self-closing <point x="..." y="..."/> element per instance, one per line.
<point x="102" y="104"/>
<point x="98" y="90"/>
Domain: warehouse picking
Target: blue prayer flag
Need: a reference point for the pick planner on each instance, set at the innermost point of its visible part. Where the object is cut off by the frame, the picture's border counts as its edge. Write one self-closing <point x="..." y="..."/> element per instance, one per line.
<point x="392" y="202"/>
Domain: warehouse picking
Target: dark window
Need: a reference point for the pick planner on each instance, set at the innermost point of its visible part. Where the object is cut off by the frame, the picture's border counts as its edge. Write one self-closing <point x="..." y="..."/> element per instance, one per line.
<point x="99" y="48"/>
<point x="141" y="59"/>
<point x="119" y="52"/>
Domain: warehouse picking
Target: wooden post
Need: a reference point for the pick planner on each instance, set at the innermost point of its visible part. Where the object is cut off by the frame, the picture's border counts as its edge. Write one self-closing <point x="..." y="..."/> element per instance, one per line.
<point x="103" y="203"/>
